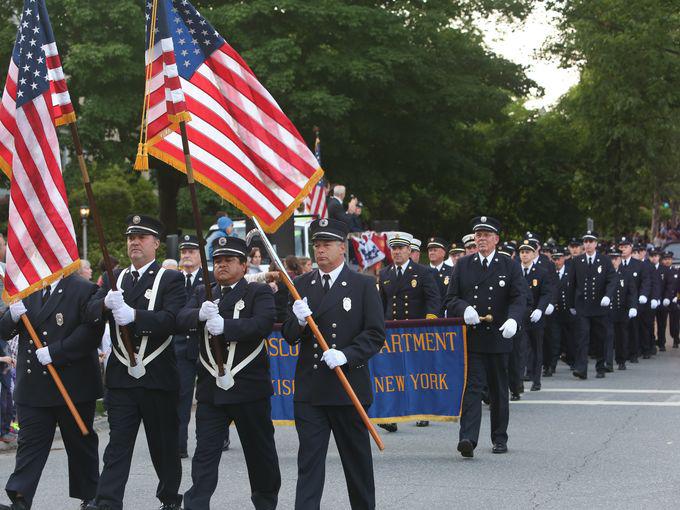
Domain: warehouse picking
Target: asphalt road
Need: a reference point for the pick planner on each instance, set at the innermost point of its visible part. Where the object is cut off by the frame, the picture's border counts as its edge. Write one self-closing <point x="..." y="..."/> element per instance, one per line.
<point x="600" y="443"/>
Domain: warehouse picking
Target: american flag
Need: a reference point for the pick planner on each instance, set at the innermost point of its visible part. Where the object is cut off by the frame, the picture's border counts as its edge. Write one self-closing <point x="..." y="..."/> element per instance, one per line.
<point x="242" y="145"/>
<point x="41" y="241"/>
<point x="316" y="201"/>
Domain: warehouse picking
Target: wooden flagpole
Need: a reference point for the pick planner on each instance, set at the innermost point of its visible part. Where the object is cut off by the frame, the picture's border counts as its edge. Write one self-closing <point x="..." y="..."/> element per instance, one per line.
<point x="125" y="332"/>
<point x="322" y="342"/>
<point x="214" y="341"/>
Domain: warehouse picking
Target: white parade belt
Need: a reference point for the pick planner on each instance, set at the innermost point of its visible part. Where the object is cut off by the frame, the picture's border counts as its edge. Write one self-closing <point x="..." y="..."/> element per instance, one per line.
<point x="139" y="369"/>
<point x="227" y="380"/>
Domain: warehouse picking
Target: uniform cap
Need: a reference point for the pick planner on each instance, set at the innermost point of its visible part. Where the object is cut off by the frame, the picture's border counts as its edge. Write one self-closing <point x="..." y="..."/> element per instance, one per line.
<point x="143" y="224"/>
<point x="436" y="242"/>
<point x="328" y="229"/>
<point x="485" y="223"/>
<point x="229" y="247"/>
<point x="400" y="239"/>
<point x="469" y="240"/>
<point x="188" y="241"/>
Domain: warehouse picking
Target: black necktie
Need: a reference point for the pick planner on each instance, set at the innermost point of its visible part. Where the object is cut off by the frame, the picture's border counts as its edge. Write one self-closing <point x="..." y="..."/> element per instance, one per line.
<point x="225" y="290"/>
<point x="526" y="271"/>
<point x="590" y="262"/>
<point x="187" y="286"/>
<point x="46" y="294"/>
<point x="326" y="283"/>
<point x="399" y="273"/>
<point x="135" y="277"/>
<point x="485" y="264"/>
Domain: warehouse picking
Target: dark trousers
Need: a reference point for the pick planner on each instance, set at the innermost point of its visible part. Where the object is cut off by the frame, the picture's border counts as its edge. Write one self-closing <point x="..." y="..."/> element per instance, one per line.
<point x="256" y="431"/>
<point x="535" y="354"/>
<point x="661" y="323"/>
<point x="36" y="434"/>
<point x="621" y="340"/>
<point x="314" y="425"/>
<point x="187" y="383"/>
<point x="561" y="335"/>
<point x="674" y="323"/>
<point x="609" y="344"/>
<point x="590" y="329"/>
<point x="486" y="369"/>
<point x="551" y="343"/>
<point x="633" y="327"/>
<point x="516" y="363"/>
<point x="647" y="330"/>
<point x="6" y="400"/>
<point x="128" y="407"/>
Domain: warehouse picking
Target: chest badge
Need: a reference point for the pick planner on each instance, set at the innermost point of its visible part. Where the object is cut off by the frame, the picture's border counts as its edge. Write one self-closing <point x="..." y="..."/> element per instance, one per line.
<point x="414" y="283"/>
<point x="148" y="293"/>
<point x="599" y="269"/>
<point x="534" y="283"/>
<point x="240" y="305"/>
<point x="347" y="304"/>
<point x="501" y="283"/>
<point x="60" y="319"/>
<point x="446" y="280"/>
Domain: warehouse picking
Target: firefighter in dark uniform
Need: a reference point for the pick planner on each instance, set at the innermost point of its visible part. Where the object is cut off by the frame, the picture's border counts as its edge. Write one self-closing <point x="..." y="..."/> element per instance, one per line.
<point x="647" y="312"/>
<point x="347" y="308"/>
<point x="593" y="283"/>
<point x="486" y="284"/>
<point x="436" y="252"/>
<point x="674" y="311"/>
<point x="408" y="291"/>
<point x="667" y="294"/>
<point x="640" y="274"/>
<point x="147" y="303"/>
<point x="456" y="251"/>
<point x="57" y="314"/>
<point x="242" y="318"/>
<point x="540" y="295"/>
<point x="186" y="344"/>
<point x="561" y="321"/>
<point x="469" y="244"/>
<point x="623" y="309"/>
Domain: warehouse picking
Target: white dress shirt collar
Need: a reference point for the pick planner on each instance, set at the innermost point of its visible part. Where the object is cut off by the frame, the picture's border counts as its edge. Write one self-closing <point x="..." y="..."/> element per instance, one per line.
<point x="489" y="258"/>
<point x="438" y="268"/>
<point x="404" y="266"/>
<point x="142" y="269"/>
<point x="333" y="274"/>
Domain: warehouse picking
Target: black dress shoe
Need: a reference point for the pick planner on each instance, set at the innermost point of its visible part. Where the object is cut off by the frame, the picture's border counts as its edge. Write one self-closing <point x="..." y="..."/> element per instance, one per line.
<point x="600" y="375"/>
<point x="170" y="506"/>
<point x="580" y="375"/>
<point x="622" y="366"/>
<point x="634" y="360"/>
<point x="422" y="423"/>
<point x="225" y="445"/>
<point x="675" y="345"/>
<point x="646" y="356"/>
<point x="515" y="397"/>
<point x="535" y="387"/>
<point x="547" y="372"/>
<point x="389" y="427"/>
<point x="608" y="368"/>
<point x="466" y="448"/>
<point x="87" y="504"/>
<point x="662" y="348"/>
<point x="183" y="454"/>
<point x="19" y="504"/>
<point x="499" y="448"/>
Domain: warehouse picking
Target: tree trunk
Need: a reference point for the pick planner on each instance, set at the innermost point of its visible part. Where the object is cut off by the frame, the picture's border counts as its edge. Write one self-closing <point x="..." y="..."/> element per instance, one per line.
<point x="169" y="183"/>
<point x="655" y="215"/>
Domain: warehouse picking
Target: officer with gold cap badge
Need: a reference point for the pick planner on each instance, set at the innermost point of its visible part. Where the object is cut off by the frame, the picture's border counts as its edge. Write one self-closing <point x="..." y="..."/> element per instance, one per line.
<point x="242" y="318"/>
<point x="593" y="283"/>
<point x="490" y="286"/>
<point x="456" y="251"/>
<point x="469" y="244"/>
<point x="347" y="310"/>
<point x="147" y="302"/>
<point x="436" y="252"/>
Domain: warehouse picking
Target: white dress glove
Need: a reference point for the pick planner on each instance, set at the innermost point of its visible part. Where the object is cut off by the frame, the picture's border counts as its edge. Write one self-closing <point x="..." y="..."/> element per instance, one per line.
<point x="470" y="316"/>
<point x="334" y="358"/>
<point x="208" y="311"/>
<point x="654" y="303"/>
<point x="536" y="315"/>
<point x="43" y="355"/>
<point x="605" y="301"/>
<point x="215" y="325"/>
<point x="301" y="310"/>
<point x="114" y="299"/>
<point x="666" y="302"/>
<point x="549" y="309"/>
<point x="642" y="300"/>
<point x="17" y="310"/>
<point x="509" y="328"/>
<point x="124" y="314"/>
<point x="632" y="313"/>
<point x="572" y="311"/>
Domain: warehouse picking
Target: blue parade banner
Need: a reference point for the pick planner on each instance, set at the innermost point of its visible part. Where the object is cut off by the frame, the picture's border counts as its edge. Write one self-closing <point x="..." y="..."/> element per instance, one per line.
<point x="419" y="374"/>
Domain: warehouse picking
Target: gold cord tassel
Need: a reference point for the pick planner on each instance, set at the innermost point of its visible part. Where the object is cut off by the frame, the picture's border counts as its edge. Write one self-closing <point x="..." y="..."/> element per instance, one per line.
<point x="142" y="160"/>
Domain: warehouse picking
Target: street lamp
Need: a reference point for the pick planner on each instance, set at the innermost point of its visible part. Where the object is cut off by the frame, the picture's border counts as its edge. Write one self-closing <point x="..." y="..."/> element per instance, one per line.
<point x="84" y="214"/>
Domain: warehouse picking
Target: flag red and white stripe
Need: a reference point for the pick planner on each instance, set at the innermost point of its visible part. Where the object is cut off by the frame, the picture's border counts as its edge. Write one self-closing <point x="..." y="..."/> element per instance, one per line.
<point x="41" y="241"/>
<point x="242" y="145"/>
<point x="317" y="201"/>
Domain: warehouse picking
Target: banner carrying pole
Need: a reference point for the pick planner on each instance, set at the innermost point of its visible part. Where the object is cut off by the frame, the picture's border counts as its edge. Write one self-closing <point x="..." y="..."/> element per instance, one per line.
<point x="322" y="342"/>
<point x="214" y="341"/>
